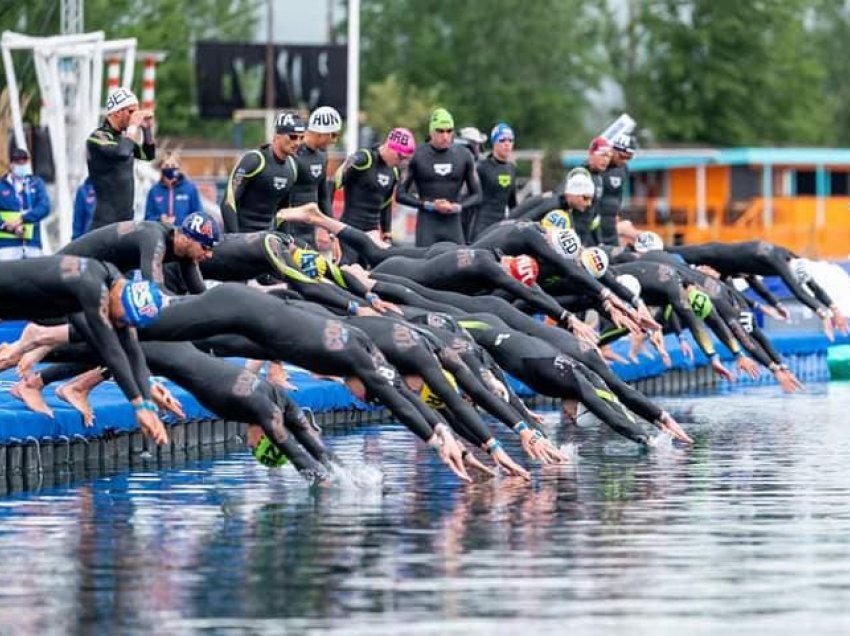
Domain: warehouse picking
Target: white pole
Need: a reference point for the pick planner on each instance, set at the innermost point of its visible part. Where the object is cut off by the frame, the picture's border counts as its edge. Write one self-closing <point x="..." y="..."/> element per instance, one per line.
<point x="14" y="98"/>
<point x="352" y="133"/>
<point x="702" y="220"/>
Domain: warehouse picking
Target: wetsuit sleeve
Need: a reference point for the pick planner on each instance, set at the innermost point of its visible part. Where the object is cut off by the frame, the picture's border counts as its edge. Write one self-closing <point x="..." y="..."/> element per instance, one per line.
<point x="401" y="294"/>
<point x="758" y="286"/>
<point x="192" y="277"/>
<point x="529" y="203"/>
<point x="473" y="185"/>
<point x="404" y="195"/>
<point x="146" y="151"/>
<point x="354" y="164"/>
<point x="346" y="281"/>
<point x="610" y="281"/>
<point x="385" y="218"/>
<point x="250" y="165"/>
<point x="537" y="212"/>
<point x="513" y="399"/>
<point x="135" y="356"/>
<point x="688" y="317"/>
<point x="481" y="395"/>
<point x="399" y="401"/>
<point x="722" y="330"/>
<point x="40" y="203"/>
<point x="324" y="192"/>
<point x="752" y="346"/>
<point x="151" y="253"/>
<point x="760" y="337"/>
<point x="784" y="272"/>
<point x="820" y="293"/>
<point x="532" y="295"/>
<point x="512" y="193"/>
<point x="105" y="148"/>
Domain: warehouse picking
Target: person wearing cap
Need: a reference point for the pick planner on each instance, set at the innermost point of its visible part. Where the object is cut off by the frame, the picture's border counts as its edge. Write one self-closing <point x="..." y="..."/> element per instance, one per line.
<point x="311" y="186"/>
<point x="598" y="158"/>
<point x="368" y="179"/>
<point x="147" y="245"/>
<point x="125" y="135"/>
<point x="24" y="203"/>
<point x="438" y="172"/>
<point x="262" y="180"/>
<point x="102" y="307"/>
<point x="497" y="174"/>
<point x="614" y="179"/>
<point x="174" y="196"/>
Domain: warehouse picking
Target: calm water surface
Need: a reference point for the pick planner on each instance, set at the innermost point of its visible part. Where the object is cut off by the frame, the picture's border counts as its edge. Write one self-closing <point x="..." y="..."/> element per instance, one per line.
<point x="748" y="531"/>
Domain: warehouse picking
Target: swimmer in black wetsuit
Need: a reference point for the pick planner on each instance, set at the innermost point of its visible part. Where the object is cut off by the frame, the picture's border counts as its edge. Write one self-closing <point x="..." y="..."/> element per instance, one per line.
<point x="497" y="174"/>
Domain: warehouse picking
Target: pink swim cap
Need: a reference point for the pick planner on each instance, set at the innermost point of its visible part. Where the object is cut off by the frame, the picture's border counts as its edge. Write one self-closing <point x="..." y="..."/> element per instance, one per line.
<point x="402" y="141"/>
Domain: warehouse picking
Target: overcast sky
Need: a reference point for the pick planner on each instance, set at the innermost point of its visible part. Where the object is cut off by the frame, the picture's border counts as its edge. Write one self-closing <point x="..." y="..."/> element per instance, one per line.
<point x="299" y="21"/>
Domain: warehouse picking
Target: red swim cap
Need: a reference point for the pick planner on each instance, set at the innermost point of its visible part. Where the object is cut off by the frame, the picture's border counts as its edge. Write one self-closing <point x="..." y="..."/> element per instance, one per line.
<point x="523" y="268"/>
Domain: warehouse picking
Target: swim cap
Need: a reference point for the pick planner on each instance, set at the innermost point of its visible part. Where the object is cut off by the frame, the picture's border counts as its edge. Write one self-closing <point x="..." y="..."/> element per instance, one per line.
<point x="648" y="242"/>
<point x="324" y="120"/>
<point x="631" y="283"/>
<point x="700" y="302"/>
<point x="599" y="146"/>
<point x="120" y="98"/>
<point x="565" y="242"/>
<point x="142" y="302"/>
<point x="523" y="268"/>
<point x="472" y="134"/>
<point x="288" y="121"/>
<point x="501" y="131"/>
<point x="802" y="269"/>
<point x="402" y="141"/>
<point x="556" y="220"/>
<point x="311" y="262"/>
<point x="268" y="454"/>
<point x="580" y="183"/>
<point x="201" y="228"/>
<point x="432" y="399"/>
<point x="440" y="119"/>
<point x="595" y="261"/>
<point x="625" y="143"/>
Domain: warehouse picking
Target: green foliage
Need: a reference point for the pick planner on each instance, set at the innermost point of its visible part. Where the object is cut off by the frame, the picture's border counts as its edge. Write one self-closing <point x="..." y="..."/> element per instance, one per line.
<point x="528" y="63"/>
<point x="171" y="26"/>
<point x="390" y="103"/>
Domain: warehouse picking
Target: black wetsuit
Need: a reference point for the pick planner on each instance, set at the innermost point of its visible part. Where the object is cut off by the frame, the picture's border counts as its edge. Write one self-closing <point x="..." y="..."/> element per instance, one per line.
<point x="58" y="286"/>
<point x="439" y="174"/>
<point x="369" y="254"/>
<point x="145" y="245"/>
<point x="110" y="157"/>
<point x="285" y="332"/>
<point x="259" y="186"/>
<point x="587" y="223"/>
<point x="311" y="186"/>
<point x="535" y="208"/>
<point x="750" y="257"/>
<point x="613" y="181"/>
<point x="498" y="194"/>
<point x="470" y="271"/>
<point x="549" y="372"/>
<point x="392" y="288"/>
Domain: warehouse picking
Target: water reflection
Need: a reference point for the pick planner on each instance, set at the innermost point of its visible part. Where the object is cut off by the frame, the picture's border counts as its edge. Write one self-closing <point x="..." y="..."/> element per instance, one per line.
<point x="747" y="531"/>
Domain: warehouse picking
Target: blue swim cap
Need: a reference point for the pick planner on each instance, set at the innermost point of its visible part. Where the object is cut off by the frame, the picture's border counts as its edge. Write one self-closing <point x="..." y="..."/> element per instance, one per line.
<point x="201" y="228"/>
<point x="499" y="131"/>
<point x="142" y="302"/>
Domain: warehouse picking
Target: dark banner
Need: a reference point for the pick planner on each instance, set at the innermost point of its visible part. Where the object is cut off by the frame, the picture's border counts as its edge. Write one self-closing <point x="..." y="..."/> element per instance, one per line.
<point x="232" y="76"/>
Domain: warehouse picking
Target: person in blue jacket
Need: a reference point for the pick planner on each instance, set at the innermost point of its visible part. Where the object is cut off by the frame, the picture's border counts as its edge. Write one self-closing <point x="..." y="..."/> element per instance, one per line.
<point x="24" y="203"/>
<point x="84" y="203"/>
<point x="174" y="198"/>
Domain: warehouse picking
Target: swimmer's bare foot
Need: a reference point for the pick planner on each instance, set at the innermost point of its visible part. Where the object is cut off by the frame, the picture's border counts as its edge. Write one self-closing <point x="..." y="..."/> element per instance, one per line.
<point x="307" y="213"/>
<point x="278" y="376"/>
<point x="569" y="411"/>
<point x="32" y="358"/>
<point x="29" y="391"/>
<point x="76" y="393"/>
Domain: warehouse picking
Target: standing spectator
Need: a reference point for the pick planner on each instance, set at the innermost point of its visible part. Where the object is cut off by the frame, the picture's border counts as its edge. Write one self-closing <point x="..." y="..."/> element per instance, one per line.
<point x="613" y="180"/>
<point x="174" y="197"/>
<point x="598" y="157"/>
<point x="261" y="183"/>
<point x="23" y="205"/>
<point x="497" y="174"/>
<point x="311" y="186"/>
<point x="84" y="202"/>
<point x="438" y="171"/>
<point x="125" y="135"/>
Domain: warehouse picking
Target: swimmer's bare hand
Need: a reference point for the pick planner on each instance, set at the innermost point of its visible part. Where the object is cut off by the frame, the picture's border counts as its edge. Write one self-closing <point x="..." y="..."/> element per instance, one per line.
<point x="449" y="451"/>
<point x="504" y="461"/>
<point x="839" y="321"/>
<point x="687" y="351"/>
<point x="788" y="381"/>
<point x="748" y="366"/>
<point x="384" y="306"/>
<point x="163" y="398"/>
<point x="670" y="426"/>
<point x="475" y="464"/>
<point x="582" y="331"/>
<point x="722" y="371"/>
<point x="827" y="328"/>
<point x="151" y="426"/>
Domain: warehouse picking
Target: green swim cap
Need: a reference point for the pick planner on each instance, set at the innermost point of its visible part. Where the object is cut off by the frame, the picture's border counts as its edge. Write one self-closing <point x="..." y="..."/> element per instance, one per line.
<point x="268" y="454"/>
<point x="440" y="119"/>
<point x="700" y="303"/>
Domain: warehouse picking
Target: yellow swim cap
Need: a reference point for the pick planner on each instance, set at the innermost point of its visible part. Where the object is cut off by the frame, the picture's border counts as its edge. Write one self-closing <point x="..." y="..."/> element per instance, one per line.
<point x="310" y="262"/>
<point x="556" y="220"/>
<point x="432" y="399"/>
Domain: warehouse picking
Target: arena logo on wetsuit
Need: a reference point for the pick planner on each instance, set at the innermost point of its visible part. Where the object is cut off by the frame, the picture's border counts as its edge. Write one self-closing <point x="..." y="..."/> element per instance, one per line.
<point x="316" y="170"/>
<point x="505" y="180"/>
<point x="443" y="169"/>
<point x="280" y="183"/>
<point x="383" y="180"/>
